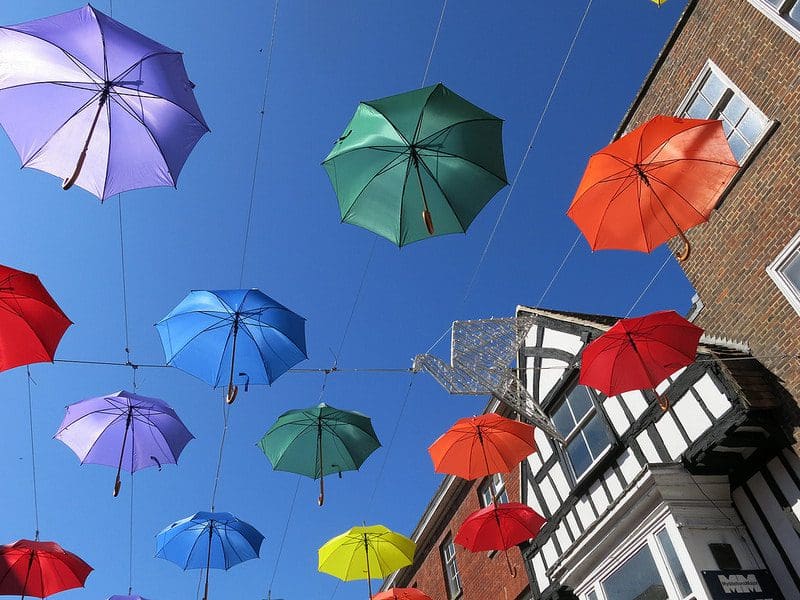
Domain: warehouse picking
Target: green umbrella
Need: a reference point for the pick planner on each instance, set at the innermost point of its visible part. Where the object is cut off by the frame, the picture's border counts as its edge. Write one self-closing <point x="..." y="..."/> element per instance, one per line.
<point x="319" y="441"/>
<point x="417" y="164"/>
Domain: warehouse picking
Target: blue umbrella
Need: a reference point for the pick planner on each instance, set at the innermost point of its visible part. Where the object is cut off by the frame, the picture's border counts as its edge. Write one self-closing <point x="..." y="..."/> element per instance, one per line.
<point x="258" y="337"/>
<point x="208" y="540"/>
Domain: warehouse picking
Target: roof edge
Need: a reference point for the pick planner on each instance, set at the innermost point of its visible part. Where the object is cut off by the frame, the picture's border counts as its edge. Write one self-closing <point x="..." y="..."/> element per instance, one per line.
<point x="651" y="75"/>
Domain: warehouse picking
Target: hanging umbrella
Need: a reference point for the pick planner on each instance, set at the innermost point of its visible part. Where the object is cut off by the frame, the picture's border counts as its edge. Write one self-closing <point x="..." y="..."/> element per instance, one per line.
<point x="39" y="569"/>
<point x="401" y="594"/>
<point x="498" y="527"/>
<point x="258" y="337"/>
<point x="365" y="552"/>
<point x="87" y="99"/>
<point x="124" y="430"/>
<point x="126" y="598"/>
<point x="417" y="164"/>
<point x="481" y="446"/>
<point x="657" y="182"/>
<point x="319" y="441"/>
<point x="639" y="353"/>
<point x="208" y="540"/>
<point x="659" y="2"/>
<point x="31" y="323"/>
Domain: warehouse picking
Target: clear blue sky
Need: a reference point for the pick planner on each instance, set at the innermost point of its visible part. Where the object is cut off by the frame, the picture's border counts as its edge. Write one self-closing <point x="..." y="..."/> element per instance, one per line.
<point x="327" y="57"/>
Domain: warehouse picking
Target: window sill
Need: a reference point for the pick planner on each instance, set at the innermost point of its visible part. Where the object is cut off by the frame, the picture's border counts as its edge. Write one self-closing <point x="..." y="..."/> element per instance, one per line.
<point x="776" y="18"/>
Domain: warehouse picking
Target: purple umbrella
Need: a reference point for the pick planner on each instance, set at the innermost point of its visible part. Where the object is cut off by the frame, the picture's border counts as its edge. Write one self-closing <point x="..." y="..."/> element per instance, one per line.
<point x="124" y="430"/>
<point x="96" y="103"/>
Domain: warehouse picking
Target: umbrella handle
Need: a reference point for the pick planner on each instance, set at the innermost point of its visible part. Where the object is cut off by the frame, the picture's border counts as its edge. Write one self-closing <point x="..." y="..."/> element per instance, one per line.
<point x="687" y="248"/>
<point x="321" y="498"/>
<point x="233" y="390"/>
<point x="511" y="569"/>
<point x="70" y="181"/>
<point x="117" y="486"/>
<point x="426" y="216"/>
<point x="663" y="402"/>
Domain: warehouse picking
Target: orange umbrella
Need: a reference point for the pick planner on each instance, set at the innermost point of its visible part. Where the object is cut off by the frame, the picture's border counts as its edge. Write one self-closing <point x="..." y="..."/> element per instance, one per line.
<point x="481" y="446"/>
<point x="652" y="184"/>
<point x="401" y="594"/>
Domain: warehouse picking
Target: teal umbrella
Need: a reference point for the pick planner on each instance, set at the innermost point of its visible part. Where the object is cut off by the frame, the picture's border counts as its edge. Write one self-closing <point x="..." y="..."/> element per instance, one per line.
<point x="318" y="441"/>
<point x="417" y="164"/>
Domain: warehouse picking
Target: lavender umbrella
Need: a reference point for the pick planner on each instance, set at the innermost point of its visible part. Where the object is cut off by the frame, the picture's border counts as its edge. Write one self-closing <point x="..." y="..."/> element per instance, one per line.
<point x="124" y="430"/>
<point x="96" y="103"/>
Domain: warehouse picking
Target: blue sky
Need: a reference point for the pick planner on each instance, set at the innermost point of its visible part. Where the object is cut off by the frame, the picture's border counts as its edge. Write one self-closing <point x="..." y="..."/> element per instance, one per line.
<point x="327" y="56"/>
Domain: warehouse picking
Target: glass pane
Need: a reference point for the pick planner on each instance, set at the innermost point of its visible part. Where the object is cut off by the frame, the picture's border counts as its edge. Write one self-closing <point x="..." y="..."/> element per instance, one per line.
<point x="713" y="88"/>
<point x="596" y="437"/>
<point x="563" y="420"/>
<point x="699" y="108"/>
<point x="637" y="579"/>
<point x="591" y="596"/>
<point x="751" y="126"/>
<point x="794" y="15"/>
<point x="739" y="146"/>
<point x="581" y="401"/>
<point x="726" y="126"/>
<point x="734" y="109"/>
<point x="579" y="455"/>
<point x="775" y="3"/>
<point x="674" y="564"/>
<point x="792" y="271"/>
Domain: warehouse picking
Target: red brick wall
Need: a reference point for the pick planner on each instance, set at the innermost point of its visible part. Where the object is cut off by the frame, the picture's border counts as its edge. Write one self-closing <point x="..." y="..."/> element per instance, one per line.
<point x="762" y="212"/>
<point x="482" y="578"/>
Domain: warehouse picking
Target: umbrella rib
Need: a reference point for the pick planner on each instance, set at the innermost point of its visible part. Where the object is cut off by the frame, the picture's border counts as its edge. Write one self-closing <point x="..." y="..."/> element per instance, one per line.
<point x="76" y="85"/>
<point x="653" y="155"/>
<point x="677" y="193"/>
<point x="222" y="356"/>
<point x="392" y="149"/>
<point x="152" y="96"/>
<point x="60" y="127"/>
<point x="447" y="128"/>
<point x="194" y="337"/>
<point x="422" y="113"/>
<point x="86" y="70"/>
<point x="383" y="170"/>
<point x="97" y="439"/>
<point x="444" y="195"/>
<point x="130" y="111"/>
<point x="388" y="120"/>
<point x="481" y="167"/>
<point x="624" y="185"/>
<point x="402" y="200"/>
<point x="4" y="306"/>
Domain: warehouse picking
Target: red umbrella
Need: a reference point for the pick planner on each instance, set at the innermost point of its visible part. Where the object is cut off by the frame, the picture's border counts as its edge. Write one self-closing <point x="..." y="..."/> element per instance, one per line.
<point x="31" y="323"/>
<point x="652" y="184"/>
<point x="639" y="353"/>
<point x="401" y="594"/>
<point x="39" y="569"/>
<point x="481" y="446"/>
<point x="498" y="527"/>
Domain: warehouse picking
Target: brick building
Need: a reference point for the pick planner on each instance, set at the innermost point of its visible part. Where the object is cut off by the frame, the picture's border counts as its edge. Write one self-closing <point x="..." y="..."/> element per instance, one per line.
<point x="739" y="61"/>
<point x="444" y="570"/>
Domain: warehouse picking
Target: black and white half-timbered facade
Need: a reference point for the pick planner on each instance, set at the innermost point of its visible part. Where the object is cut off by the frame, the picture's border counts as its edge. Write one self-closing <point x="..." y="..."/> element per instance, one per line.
<point x="701" y="501"/>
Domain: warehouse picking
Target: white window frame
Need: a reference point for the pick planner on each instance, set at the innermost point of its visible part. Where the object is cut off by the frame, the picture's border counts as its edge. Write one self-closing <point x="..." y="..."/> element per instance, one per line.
<point x="662" y="567"/>
<point x="774" y="270"/>
<point x="499" y="485"/>
<point x="776" y="16"/>
<point x="448" y="553"/>
<point x="710" y="66"/>
<point x="584" y="421"/>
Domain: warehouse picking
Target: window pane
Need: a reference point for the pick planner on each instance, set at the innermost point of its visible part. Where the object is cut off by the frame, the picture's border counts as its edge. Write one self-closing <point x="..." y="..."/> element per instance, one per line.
<point x="579" y="455"/>
<point x="792" y="271"/>
<point x="794" y="14"/>
<point x="713" y="88"/>
<point x="734" y="109"/>
<point x="637" y="579"/>
<point x="596" y="437"/>
<point x="581" y="402"/>
<point x="674" y="564"/>
<point x="751" y="126"/>
<point x="738" y="145"/>
<point x="775" y="3"/>
<point x="699" y="108"/>
<point x="563" y="420"/>
<point x="591" y="596"/>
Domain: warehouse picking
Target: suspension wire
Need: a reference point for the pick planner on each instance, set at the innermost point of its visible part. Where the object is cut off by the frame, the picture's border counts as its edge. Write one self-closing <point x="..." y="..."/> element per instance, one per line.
<point x="225" y="411"/>
<point x="355" y="303"/>
<point x="650" y="284"/>
<point x="391" y="441"/>
<point x="558" y="271"/>
<point x="124" y="284"/>
<point x="528" y="150"/>
<point x="130" y="549"/>
<point x="258" y="142"/>
<point x="33" y="458"/>
<point x="433" y="45"/>
<point x="283" y="537"/>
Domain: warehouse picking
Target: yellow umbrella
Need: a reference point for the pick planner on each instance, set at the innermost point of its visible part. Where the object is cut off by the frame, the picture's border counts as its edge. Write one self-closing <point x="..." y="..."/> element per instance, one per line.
<point x="364" y="553"/>
<point x="659" y="2"/>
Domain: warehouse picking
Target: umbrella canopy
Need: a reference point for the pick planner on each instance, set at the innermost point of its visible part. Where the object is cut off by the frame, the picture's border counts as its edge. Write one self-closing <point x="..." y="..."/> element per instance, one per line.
<point x="209" y="540"/>
<point x="96" y="103"/>
<point x="481" y="446"/>
<point x="124" y="430"/>
<point x="639" y="353"/>
<point x="652" y="184"/>
<point x="402" y="594"/>
<point x="318" y="441"/>
<point x="215" y="335"/>
<point x="366" y="552"/>
<point x="31" y="323"/>
<point x="417" y="164"/>
<point x="39" y="569"/>
<point x="499" y="527"/>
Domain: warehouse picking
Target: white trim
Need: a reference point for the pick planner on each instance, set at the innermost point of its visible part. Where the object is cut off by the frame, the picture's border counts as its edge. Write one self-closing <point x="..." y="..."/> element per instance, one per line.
<point x="774" y="16"/>
<point x="774" y="270"/>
